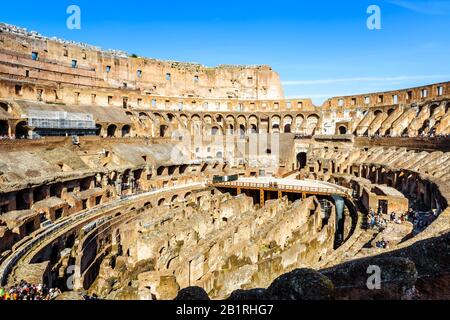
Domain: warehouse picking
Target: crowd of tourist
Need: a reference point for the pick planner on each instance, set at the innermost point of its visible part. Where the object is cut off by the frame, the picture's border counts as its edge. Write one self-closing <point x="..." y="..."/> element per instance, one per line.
<point x="27" y="291"/>
<point x="420" y="220"/>
<point x="382" y="244"/>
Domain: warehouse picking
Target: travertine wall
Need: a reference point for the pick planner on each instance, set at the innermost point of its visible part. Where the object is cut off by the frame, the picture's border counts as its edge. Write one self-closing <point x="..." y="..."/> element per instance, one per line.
<point x="69" y="64"/>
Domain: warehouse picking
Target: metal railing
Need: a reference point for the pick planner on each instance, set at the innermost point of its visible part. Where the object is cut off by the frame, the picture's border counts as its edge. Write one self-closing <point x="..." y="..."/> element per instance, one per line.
<point x="284" y="187"/>
<point x="11" y="261"/>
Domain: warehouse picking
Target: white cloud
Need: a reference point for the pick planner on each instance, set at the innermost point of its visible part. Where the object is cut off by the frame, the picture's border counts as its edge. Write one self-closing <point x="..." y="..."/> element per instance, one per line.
<point x="362" y="79"/>
<point x="425" y="7"/>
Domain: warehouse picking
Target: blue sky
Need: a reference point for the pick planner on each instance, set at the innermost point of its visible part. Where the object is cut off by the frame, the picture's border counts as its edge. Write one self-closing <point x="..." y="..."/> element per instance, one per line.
<point x="320" y="48"/>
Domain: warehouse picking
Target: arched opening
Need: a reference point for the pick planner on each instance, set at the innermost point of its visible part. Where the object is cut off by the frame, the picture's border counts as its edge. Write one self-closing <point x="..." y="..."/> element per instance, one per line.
<point x="302" y="159"/>
<point x="171" y="170"/>
<point x="219" y="155"/>
<point x="377" y="112"/>
<point x="163" y="130"/>
<point x="39" y="194"/>
<point x="276" y="127"/>
<point x="287" y="128"/>
<point x="126" y="130"/>
<point x="183" y="168"/>
<point x="161" y="201"/>
<point x="254" y="128"/>
<point x="390" y="111"/>
<point x="170" y="117"/>
<point x="311" y="123"/>
<point x="230" y="129"/>
<point x="111" y="130"/>
<point x="160" y="170"/>
<point x="242" y="130"/>
<point x="342" y="130"/>
<point x="4" y="106"/>
<point x="214" y="131"/>
<point x="85" y="184"/>
<point x="56" y="190"/>
<point x="174" y="198"/>
<point x="4" y="128"/>
<point x="21" y="130"/>
<point x="98" y="129"/>
<point x="433" y="109"/>
<point x="22" y="200"/>
<point x="187" y="195"/>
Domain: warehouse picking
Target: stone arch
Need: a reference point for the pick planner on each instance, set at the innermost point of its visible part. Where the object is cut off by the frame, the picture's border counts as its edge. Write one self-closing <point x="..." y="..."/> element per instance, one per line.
<point x="98" y="129"/>
<point x="4" y="128"/>
<point x="160" y="170"/>
<point x="311" y="123"/>
<point x="172" y="170"/>
<point x="215" y="130"/>
<point x="187" y="195"/>
<point x="242" y="120"/>
<point x="242" y="130"/>
<point x="184" y="120"/>
<point x="4" y="106"/>
<point x="253" y="122"/>
<point x="208" y="119"/>
<point x="302" y="160"/>
<point x="126" y="131"/>
<point x="433" y="108"/>
<point x="299" y="119"/>
<point x="377" y="112"/>
<point x="163" y="129"/>
<point x="219" y="118"/>
<point x="158" y="116"/>
<point x="342" y="130"/>
<point x="197" y="124"/>
<point x="161" y="202"/>
<point x="171" y="117"/>
<point x="143" y="116"/>
<point x="287" y="124"/>
<point x="174" y="198"/>
<point x="183" y="168"/>
<point x="111" y="131"/>
<point x="21" y="130"/>
<point x="275" y="123"/>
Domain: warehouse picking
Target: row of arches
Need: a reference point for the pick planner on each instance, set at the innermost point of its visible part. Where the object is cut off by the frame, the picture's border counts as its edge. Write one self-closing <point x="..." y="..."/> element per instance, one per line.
<point x="228" y="124"/>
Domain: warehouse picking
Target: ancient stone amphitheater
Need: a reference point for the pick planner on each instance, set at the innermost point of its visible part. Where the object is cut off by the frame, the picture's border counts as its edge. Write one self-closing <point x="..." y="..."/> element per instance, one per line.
<point x="134" y="178"/>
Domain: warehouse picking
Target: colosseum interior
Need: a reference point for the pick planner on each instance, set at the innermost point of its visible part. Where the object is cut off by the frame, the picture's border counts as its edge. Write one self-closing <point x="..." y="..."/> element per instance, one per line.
<point x="137" y="179"/>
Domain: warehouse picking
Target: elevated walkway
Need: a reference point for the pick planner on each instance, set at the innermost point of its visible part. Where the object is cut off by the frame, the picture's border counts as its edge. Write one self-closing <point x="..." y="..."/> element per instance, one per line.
<point x="285" y="185"/>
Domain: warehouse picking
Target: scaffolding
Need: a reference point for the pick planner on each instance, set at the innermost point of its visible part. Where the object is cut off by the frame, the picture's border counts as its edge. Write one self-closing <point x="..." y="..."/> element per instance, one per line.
<point x="60" y="120"/>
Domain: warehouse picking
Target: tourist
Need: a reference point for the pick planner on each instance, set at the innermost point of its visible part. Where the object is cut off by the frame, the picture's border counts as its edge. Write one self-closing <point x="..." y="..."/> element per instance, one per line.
<point x="27" y="291"/>
<point x="393" y="216"/>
